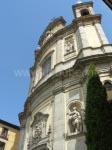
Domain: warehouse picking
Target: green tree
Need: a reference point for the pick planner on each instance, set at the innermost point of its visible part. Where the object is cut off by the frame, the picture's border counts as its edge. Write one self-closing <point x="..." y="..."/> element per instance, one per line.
<point x="98" y="114"/>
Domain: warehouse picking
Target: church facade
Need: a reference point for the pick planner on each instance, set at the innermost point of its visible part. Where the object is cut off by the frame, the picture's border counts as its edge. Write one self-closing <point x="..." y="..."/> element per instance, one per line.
<point x="53" y="116"/>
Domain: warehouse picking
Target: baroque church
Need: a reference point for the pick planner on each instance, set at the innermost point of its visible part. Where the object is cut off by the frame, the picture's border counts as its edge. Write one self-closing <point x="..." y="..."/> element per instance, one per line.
<point x="53" y="116"/>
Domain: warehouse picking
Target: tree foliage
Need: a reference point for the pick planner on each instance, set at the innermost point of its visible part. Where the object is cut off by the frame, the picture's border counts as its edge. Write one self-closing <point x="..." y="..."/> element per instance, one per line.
<point x="98" y="114"/>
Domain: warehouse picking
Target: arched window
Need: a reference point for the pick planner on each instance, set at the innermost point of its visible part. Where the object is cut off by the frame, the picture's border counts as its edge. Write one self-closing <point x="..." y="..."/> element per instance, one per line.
<point x="108" y="85"/>
<point x="84" y="12"/>
<point x="46" y="66"/>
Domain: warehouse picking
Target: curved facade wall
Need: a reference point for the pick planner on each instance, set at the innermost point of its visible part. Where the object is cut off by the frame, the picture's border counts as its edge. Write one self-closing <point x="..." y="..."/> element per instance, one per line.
<point x="53" y="116"/>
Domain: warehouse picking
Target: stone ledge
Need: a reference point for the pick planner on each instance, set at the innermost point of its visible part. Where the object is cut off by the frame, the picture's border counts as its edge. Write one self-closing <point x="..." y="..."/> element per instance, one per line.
<point x="74" y="136"/>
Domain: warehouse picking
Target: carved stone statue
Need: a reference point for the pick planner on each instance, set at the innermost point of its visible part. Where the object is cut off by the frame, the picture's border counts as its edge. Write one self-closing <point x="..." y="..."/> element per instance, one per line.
<point x="69" y="47"/>
<point x="75" y="121"/>
<point x="39" y="138"/>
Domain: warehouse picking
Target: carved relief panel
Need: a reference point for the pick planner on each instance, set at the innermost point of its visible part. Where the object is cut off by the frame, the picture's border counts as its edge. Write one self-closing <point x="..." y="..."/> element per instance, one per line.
<point x="69" y="44"/>
<point x="39" y="138"/>
<point x="39" y="125"/>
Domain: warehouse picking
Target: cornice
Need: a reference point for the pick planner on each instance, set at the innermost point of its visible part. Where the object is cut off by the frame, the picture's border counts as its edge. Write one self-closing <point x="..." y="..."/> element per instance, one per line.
<point x="88" y="18"/>
<point x="81" y="6"/>
<point x="50" y="82"/>
<point x="3" y="122"/>
<point x="99" y="58"/>
<point x="22" y="119"/>
<point x="61" y="33"/>
<point x="79" y="64"/>
<point x="32" y="70"/>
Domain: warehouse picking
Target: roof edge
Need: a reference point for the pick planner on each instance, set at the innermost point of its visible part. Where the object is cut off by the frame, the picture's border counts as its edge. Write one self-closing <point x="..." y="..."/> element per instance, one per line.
<point x="9" y="124"/>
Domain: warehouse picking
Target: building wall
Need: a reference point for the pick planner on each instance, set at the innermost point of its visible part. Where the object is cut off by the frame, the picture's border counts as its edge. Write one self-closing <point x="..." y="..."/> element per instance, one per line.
<point x="11" y="143"/>
<point x="52" y="98"/>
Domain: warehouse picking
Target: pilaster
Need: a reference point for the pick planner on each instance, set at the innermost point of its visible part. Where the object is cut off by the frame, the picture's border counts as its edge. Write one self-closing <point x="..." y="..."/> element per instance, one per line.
<point x="59" y="122"/>
<point x="101" y="34"/>
<point x="83" y="37"/>
<point x="59" y="51"/>
<point x="22" y="118"/>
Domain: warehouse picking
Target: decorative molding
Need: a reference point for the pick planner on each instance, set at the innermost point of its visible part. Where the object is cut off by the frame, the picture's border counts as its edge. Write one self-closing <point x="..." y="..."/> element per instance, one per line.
<point x="39" y="138"/>
<point x="40" y="145"/>
<point x="73" y="136"/>
<point x="22" y="119"/>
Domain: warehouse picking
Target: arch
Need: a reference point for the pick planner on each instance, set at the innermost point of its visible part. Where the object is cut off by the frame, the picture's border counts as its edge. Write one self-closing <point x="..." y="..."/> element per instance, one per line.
<point x="74" y="103"/>
<point x="108" y="84"/>
<point x="85" y="12"/>
<point x="74" y="118"/>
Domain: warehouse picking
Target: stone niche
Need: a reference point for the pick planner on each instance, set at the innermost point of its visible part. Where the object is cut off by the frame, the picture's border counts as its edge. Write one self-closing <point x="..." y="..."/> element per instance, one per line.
<point x="39" y="139"/>
<point x="75" y="118"/>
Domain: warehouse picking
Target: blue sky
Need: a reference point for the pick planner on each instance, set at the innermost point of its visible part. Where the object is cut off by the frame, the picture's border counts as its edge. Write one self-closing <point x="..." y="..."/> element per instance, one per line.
<point x="21" y="24"/>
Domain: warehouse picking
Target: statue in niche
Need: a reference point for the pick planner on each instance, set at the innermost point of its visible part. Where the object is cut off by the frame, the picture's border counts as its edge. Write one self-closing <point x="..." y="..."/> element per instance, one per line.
<point x="69" y="44"/>
<point x="69" y="47"/>
<point x="75" y="121"/>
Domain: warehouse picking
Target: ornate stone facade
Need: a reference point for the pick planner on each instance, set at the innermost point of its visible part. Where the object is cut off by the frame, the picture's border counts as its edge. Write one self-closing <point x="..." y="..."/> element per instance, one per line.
<point x="53" y="117"/>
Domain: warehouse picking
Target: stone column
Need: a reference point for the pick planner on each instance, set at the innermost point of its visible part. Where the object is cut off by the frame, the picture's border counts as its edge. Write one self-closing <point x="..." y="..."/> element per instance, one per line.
<point x="59" y="51"/>
<point x="101" y="34"/>
<point x="59" y="122"/>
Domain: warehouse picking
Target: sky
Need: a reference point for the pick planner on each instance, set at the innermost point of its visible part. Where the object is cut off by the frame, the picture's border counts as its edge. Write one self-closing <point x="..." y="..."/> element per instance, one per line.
<point x="21" y="24"/>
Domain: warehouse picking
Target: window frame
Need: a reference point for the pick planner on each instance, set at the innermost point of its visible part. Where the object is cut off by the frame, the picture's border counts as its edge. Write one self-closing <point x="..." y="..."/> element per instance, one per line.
<point x="44" y="65"/>
<point x="2" y="148"/>
<point x="108" y="89"/>
<point x="4" y="133"/>
<point x="109" y="83"/>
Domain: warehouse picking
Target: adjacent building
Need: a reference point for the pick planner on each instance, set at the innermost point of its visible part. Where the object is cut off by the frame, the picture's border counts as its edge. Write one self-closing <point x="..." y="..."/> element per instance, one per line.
<point x="9" y="136"/>
<point x="109" y="3"/>
<point x="53" y="116"/>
